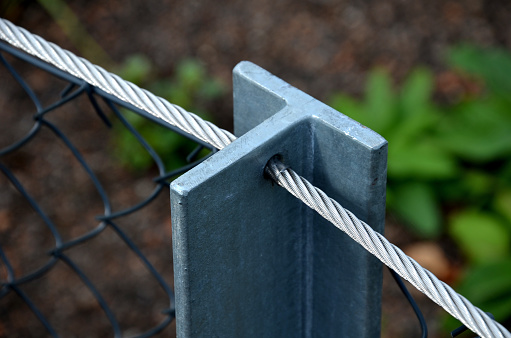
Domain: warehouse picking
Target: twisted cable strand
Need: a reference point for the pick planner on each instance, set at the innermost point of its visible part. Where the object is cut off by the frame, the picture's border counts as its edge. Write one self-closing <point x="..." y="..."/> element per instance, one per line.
<point x="389" y="254"/>
<point x="458" y="306"/>
<point x="114" y="85"/>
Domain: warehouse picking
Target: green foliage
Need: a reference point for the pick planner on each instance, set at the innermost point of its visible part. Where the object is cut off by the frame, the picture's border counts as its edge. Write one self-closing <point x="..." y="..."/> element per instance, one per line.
<point x="417" y="205"/>
<point x="136" y="69"/>
<point x="449" y="166"/>
<point x="172" y="147"/>
<point x="481" y="235"/>
<point x="190" y="87"/>
<point x="502" y="203"/>
<point x="493" y="66"/>
<point x="488" y="287"/>
<point x="478" y="130"/>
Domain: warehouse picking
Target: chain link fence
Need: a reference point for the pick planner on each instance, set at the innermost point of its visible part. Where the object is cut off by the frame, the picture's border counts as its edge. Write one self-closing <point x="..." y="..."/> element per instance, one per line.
<point x="94" y="270"/>
<point x="51" y="226"/>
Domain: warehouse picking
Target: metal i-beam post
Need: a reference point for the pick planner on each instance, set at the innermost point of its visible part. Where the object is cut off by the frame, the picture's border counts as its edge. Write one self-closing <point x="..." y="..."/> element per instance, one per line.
<point x="250" y="260"/>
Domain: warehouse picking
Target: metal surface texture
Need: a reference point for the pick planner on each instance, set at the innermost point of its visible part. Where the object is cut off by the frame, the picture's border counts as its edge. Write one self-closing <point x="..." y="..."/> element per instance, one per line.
<point x="252" y="261"/>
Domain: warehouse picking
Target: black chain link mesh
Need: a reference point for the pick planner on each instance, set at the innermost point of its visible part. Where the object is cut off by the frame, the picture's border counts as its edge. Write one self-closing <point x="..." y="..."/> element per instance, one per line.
<point x="96" y="269"/>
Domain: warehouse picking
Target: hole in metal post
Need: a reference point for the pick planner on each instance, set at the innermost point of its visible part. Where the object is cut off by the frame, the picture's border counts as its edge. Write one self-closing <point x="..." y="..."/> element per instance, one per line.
<point x="274" y="167"/>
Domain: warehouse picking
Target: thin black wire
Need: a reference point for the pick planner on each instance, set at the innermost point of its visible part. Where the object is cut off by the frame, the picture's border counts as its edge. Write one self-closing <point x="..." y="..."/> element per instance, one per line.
<point x="413" y="304"/>
<point x="76" y="88"/>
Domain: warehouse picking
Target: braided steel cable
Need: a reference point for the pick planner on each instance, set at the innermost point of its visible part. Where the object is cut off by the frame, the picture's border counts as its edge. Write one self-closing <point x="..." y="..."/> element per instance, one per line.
<point x="114" y="85"/>
<point x="442" y="294"/>
<point x="458" y="306"/>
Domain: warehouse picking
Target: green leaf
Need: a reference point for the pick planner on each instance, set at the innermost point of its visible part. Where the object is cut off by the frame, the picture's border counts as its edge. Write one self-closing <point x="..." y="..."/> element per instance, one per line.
<point x="162" y="88"/>
<point x="470" y="187"/>
<point x="415" y="96"/>
<point x="390" y="199"/>
<point x="352" y="108"/>
<point x="180" y="96"/>
<point x="212" y="89"/>
<point x="502" y="204"/>
<point x="492" y="65"/>
<point x="488" y="287"/>
<point x="420" y="160"/>
<point x="481" y="236"/>
<point x="380" y="101"/>
<point x="190" y="74"/>
<point x="417" y="205"/>
<point x="129" y="151"/>
<point x="136" y="69"/>
<point x="478" y="182"/>
<point x="410" y="130"/>
<point x="477" y="131"/>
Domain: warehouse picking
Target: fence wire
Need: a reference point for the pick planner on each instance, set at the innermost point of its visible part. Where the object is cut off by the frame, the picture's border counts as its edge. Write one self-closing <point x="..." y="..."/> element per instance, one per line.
<point x="113" y="89"/>
<point x="14" y="283"/>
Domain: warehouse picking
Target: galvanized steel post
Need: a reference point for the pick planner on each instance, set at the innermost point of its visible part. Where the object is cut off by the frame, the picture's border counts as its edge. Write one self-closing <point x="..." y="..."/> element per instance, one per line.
<point x="250" y="260"/>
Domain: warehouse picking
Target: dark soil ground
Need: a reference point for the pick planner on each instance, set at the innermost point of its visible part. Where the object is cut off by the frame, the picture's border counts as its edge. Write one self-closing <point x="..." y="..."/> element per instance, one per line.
<point x="319" y="46"/>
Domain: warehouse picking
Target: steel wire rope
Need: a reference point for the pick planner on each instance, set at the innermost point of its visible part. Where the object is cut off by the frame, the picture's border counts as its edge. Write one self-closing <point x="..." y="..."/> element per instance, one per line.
<point x="114" y="85"/>
<point x="442" y="294"/>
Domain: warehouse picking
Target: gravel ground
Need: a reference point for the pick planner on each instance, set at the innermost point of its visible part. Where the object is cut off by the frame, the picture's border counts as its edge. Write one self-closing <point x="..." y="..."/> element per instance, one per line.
<point x="319" y="46"/>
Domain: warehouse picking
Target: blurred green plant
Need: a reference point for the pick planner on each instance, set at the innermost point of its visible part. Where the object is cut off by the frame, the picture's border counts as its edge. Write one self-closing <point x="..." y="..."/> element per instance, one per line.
<point x="449" y="165"/>
<point x="190" y="87"/>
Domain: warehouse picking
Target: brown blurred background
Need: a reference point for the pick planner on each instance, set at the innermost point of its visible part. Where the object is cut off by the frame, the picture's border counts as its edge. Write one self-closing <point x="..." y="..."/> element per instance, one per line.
<point x="319" y="46"/>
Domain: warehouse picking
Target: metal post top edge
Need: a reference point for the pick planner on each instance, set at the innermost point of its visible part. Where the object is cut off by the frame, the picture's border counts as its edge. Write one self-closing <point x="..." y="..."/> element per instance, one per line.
<point x="306" y="105"/>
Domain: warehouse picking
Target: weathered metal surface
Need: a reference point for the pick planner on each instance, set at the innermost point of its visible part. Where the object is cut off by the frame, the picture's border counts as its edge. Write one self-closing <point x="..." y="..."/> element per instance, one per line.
<point x="250" y="260"/>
